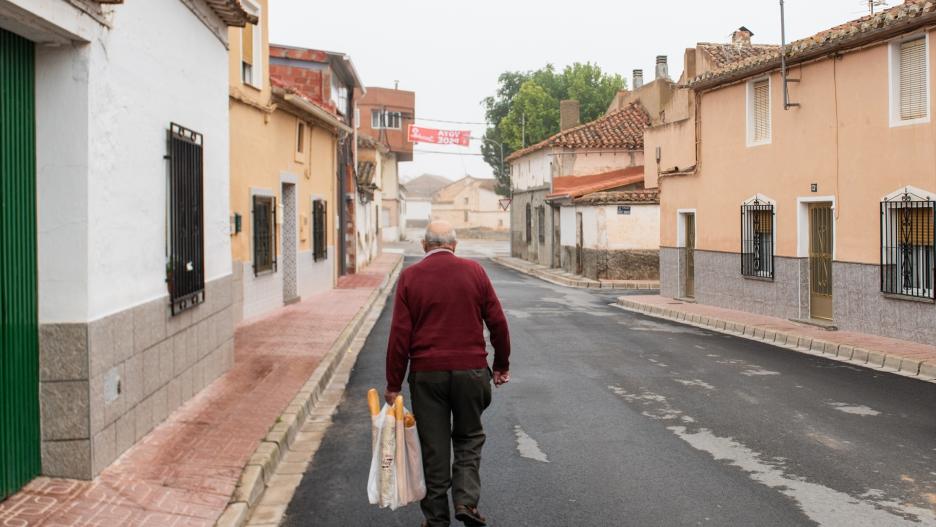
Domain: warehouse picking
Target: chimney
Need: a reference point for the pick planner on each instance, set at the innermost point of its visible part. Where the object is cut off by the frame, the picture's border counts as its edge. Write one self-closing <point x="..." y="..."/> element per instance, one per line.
<point x="569" y="114"/>
<point x="742" y="37"/>
<point x="638" y="79"/>
<point x="662" y="70"/>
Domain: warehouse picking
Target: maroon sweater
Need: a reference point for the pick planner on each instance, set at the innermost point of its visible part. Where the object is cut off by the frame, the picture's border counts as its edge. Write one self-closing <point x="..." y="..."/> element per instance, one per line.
<point x="438" y="312"/>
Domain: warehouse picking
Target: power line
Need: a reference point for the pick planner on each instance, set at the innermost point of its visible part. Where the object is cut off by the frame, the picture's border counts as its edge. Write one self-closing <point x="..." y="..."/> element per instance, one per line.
<point x="446" y="153"/>
<point x="418" y="118"/>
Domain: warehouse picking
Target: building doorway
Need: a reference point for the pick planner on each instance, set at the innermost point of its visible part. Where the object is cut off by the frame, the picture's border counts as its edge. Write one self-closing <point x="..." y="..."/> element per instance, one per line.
<point x="19" y="334"/>
<point x="820" y="260"/>
<point x="689" y="275"/>
<point x="290" y="244"/>
<point x="557" y="239"/>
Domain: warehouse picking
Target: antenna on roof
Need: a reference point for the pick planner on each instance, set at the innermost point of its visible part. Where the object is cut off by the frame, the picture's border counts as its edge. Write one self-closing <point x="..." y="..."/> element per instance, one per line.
<point x="875" y="3"/>
<point x="783" y="66"/>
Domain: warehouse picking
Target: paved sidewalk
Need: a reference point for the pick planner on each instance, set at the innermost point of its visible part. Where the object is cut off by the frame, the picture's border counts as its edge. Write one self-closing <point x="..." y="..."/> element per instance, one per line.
<point x="185" y="471"/>
<point x="560" y="277"/>
<point x="897" y="356"/>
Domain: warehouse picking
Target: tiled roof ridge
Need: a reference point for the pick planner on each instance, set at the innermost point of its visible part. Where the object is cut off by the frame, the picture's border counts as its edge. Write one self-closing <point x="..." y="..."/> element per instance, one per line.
<point x="907" y="12"/>
<point x="557" y="139"/>
<point x="651" y="196"/>
<point x="292" y="89"/>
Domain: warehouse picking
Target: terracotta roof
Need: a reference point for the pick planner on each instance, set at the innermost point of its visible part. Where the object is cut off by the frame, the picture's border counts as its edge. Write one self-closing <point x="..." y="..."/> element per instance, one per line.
<point x="231" y="12"/>
<point x="625" y="197"/>
<point x="487" y="184"/>
<point x="905" y="17"/>
<point x="725" y="54"/>
<point x="426" y="185"/>
<point x="621" y="129"/>
<point x="578" y="186"/>
<point x="370" y="143"/>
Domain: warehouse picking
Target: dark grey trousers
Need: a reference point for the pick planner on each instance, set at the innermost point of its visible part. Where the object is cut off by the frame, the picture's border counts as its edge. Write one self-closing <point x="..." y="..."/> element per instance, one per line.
<point x="448" y="407"/>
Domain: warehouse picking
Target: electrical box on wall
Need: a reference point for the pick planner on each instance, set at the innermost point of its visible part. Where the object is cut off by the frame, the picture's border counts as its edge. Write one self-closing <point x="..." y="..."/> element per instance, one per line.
<point x="814" y="187"/>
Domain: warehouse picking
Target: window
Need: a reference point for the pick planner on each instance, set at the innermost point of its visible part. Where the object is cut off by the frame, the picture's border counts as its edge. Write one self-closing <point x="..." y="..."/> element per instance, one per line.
<point x="339" y="94"/>
<point x="386" y="119"/>
<point x="319" y="231"/>
<point x="529" y="223"/>
<point x="758" y="112"/>
<point x="910" y="82"/>
<point x="185" y="270"/>
<point x="541" y="223"/>
<point x="466" y="201"/>
<point x="757" y="239"/>
<point x="300" y="137"/>
<point x="466" y="216"/>
<point x="252" y="49"/>
<point x="907" y="257"/>
<point x="264" y="234"/>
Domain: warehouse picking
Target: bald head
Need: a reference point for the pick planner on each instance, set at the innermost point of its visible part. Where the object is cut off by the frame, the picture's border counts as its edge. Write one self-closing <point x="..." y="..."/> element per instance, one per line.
<point x="439" y="235"/>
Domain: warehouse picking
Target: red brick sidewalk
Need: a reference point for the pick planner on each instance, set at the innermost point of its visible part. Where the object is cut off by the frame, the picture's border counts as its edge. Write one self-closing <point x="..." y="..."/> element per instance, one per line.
<point x="185" y="471"/>
<point x="909" y="358"/>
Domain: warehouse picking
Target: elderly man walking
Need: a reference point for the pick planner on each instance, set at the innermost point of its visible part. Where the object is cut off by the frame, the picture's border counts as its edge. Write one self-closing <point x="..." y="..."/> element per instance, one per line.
<point x="440" y="306"/>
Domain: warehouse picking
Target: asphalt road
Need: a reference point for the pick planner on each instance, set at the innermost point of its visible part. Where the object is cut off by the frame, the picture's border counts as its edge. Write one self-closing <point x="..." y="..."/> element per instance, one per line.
<point x="614" y="418"/>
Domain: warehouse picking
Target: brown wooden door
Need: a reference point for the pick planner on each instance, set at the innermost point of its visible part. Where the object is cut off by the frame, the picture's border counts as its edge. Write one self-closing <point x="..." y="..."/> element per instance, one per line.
<point x="820" y="260"/>
<point x="690" y="256"/>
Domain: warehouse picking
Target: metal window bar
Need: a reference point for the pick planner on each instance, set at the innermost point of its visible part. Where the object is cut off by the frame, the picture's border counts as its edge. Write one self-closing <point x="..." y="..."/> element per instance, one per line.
<point x="757" y="239"/>
<point x="318" y="230"/>
<point x="907" y="253"/>
<point x="185" y="273"/>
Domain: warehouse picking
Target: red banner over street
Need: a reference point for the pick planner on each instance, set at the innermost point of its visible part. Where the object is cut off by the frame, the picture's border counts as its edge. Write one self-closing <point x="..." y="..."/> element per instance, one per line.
<point x="418" y="134"/>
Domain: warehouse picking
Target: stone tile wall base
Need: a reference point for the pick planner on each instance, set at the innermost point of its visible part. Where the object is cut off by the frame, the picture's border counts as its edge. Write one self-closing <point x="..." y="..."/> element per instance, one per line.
<point x="607" y="264"/>
<point x="107" y="383"/>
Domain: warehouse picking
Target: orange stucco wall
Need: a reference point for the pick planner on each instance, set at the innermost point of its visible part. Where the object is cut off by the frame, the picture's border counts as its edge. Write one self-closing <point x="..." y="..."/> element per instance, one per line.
<point x="840" y="138"/>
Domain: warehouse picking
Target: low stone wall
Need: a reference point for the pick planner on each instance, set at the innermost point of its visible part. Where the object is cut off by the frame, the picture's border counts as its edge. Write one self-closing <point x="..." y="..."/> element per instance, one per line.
<point x="107" y="383"/>
<point x="606" y="264"/>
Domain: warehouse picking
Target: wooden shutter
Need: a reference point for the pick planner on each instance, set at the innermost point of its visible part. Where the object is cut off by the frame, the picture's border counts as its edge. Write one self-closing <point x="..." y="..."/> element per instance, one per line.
<point x="247" y="41"/>
<point x="761" y="108"/>
<point x="913" y="97"/>
<point x="921" y="226"/>
<point x="763" y="222"/>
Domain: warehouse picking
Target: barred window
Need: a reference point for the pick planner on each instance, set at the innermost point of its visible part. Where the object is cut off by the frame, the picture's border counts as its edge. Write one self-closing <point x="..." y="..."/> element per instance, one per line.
<point x="541" y="223"/>
<point x="907" y="257"/>
<point x="529" y="223"/>
<point x="757" y="239"/>
<point x="185" y="270"/>
<point x="319" y="231"/>
<point x="264" y="234"/>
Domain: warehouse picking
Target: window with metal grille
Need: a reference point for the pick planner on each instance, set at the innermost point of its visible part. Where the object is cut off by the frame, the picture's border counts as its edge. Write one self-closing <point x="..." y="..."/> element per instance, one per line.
<point x="529" y="223"/>
<point x="185" y="270"/>
<point x="264" y="234"/>
<point x="541" y="223"/>
<point x="759" y="112"/>
<point x="757" y="239"/>
<point x="911" y="80"/>
<point x="319" y="232"/>
<point x="907" y="255"/>
<point x="386" y="119"/>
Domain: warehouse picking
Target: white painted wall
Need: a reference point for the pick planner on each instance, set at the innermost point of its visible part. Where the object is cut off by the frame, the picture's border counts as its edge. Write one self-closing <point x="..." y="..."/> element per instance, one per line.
<point x="315" y="277"/>
<point x="604" y="228"/>
<point x="418" y="209"/>
<point x="532" y="170"/>
<point x="103" y="112"/>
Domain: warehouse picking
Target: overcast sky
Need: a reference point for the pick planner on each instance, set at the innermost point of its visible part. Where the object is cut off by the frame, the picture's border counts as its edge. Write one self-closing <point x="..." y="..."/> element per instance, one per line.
<point x="451" y="53"/>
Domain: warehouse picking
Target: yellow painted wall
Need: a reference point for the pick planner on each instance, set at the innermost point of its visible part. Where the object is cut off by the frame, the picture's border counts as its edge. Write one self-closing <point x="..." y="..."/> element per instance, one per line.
<point x="840" y="138"/>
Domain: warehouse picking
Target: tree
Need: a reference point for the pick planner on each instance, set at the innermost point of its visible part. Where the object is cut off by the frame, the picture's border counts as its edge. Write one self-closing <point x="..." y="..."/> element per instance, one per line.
<point x="525" y="109"/>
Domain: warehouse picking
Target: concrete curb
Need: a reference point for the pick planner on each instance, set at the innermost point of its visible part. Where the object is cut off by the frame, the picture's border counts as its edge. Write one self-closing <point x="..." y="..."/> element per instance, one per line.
<point x="262" y="465"/>
<point x="873" y="359"/>
<point x="579" y="283"/>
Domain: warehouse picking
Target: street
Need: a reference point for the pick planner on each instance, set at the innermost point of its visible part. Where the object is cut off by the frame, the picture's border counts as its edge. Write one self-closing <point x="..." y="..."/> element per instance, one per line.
<point x="614" y="418"/>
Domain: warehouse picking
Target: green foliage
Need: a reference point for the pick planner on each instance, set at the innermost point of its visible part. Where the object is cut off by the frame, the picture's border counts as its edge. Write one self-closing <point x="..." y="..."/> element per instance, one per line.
<point x="525" y="109"/>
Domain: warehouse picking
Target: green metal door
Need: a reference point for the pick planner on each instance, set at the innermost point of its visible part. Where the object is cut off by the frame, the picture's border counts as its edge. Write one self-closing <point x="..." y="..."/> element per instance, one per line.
<point x="19" y="338"/>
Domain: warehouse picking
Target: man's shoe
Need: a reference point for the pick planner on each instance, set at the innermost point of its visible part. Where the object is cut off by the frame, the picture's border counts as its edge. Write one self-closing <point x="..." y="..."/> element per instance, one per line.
<point x="470" y="516"/>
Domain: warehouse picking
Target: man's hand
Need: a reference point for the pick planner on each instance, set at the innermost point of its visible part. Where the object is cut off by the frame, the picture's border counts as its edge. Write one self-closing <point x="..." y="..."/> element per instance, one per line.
<point x="501" y="377"/>
<point x="390" y="397"/>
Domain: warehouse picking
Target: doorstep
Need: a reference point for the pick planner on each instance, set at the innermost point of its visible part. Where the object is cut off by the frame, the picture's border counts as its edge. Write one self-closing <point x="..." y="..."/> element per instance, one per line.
<point x="560" y="277"/>
<point x="211" y="456"/>
<point x="902" y="357"/>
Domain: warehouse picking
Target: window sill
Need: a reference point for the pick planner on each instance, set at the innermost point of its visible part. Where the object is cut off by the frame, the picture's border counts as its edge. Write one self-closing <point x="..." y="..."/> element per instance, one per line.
<point x="264" y="273"/>
<point x="895" y="296"/>
<point x="757" y="278"/>
<point x="251" y="86"/>
<point x="897" y="123"/>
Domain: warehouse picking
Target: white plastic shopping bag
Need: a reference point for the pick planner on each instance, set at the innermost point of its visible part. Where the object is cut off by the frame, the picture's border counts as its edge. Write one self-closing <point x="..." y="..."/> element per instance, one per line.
<point x="396" y="473"/>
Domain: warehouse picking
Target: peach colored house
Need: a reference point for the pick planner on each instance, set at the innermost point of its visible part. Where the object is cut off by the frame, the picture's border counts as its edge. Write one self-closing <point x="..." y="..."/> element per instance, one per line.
<point x="818" y="207"/>
<point x="285" y="160"/>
